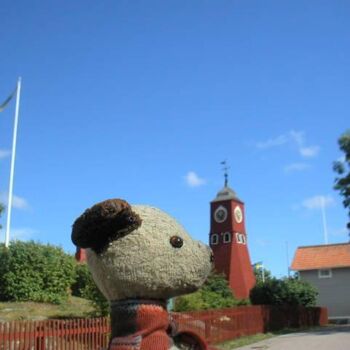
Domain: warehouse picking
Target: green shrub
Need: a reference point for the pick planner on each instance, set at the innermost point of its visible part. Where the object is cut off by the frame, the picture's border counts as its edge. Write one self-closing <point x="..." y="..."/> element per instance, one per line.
<point x="31" y="271"/>
<point x="288" y="291"/>
<point x="98" y="300"/>
<point x="299" y="292"/>
<point x="85" y="287"/>
<point x="215" y="294"/>
<point x="82" y="279"/>
<point x="262" y="274"/>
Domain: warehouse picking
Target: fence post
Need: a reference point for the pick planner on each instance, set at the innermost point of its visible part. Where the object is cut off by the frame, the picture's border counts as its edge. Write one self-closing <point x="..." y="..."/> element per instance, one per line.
<point x="207" y="325"/>
<point x="40" y="339"/>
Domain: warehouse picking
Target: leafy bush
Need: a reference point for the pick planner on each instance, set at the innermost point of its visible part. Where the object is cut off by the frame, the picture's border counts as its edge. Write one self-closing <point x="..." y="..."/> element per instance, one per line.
<point x="288" y="291"/>
<point x="31" y="271"/>
<point x="261" y="274"/>
<point x="82" y="279"/>
<point x="85" y="287"/>
<point x="215" y="294"/>
<point x="98" y="300"/>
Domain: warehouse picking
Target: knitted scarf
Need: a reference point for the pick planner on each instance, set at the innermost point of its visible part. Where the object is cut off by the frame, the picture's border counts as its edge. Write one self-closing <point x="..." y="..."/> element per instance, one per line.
<point x="142" y="325"/>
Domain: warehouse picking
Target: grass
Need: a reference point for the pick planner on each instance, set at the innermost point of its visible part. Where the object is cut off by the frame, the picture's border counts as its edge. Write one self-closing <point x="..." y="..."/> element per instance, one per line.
<point x="73" y="308"/>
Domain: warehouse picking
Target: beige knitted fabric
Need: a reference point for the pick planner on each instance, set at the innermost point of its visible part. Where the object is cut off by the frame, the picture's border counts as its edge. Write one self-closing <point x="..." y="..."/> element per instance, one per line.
<point x="144" y="264"/>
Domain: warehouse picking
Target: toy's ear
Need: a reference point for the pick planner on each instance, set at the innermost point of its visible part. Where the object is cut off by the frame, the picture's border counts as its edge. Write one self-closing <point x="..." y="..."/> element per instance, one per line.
<point x="103" y="223"/>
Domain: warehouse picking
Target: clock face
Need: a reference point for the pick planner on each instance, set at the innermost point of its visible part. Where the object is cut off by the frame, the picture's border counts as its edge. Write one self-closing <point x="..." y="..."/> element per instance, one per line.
<point x="220" y="214"/>
<point x="238" y="214"/>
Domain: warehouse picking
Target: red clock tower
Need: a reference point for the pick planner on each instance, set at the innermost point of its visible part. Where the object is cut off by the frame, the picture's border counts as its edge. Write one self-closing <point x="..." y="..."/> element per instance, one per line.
<point x="228" y="240"/>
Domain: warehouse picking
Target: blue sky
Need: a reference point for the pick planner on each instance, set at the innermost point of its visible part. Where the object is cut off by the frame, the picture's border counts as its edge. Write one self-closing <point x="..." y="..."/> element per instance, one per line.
<point x="142" y="100"/>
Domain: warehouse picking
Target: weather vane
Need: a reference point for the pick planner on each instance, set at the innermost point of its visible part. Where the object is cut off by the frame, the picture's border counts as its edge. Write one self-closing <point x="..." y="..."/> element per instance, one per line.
<point x="225" y="169"/>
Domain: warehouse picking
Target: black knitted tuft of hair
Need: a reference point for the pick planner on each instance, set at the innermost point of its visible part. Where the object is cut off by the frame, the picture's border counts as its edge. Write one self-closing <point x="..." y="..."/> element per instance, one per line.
<point x="103" y="223"/>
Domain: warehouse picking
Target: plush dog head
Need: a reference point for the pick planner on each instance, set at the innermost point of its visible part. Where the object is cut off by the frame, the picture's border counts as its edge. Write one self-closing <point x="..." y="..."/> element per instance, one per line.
<point x="139" y="252"/>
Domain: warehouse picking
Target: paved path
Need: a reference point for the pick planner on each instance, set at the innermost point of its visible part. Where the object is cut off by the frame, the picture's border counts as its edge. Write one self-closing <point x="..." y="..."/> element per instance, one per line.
<point x="329" y="338"/>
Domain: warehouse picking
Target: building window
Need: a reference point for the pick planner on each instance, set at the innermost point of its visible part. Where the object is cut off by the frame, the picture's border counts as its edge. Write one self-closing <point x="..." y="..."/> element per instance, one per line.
<point x="214" y="239"/>
<point x="227" y="237"/>
<point x="240" y="238"/>
<point x="325" y="273"/>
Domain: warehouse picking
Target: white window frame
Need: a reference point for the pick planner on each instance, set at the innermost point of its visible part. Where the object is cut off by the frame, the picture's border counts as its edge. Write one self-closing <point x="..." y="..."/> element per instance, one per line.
<point x="227" y="234"/>
<point x="328" y="275"/>
<point x="216" y="236"/>
<point x="240" y="238"/>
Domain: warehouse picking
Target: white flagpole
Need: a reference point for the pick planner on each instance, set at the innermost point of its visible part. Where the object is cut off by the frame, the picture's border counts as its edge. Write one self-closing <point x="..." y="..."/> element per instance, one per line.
<point x="13" y="158"/>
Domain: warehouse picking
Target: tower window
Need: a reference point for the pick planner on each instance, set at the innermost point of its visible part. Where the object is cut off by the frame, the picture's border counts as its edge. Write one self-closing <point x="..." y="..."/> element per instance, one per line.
<point x="227" y="237"/>
<point x="214" y="239"/>
<point x="240" y="238"/>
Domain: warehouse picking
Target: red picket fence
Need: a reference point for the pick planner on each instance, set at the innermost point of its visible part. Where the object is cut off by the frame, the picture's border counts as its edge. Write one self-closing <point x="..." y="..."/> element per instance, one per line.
<point x="225" y="324"/>
<point x="222" y="324"/>
<point x="77" y="334"/>
<point x="213" y="325"/>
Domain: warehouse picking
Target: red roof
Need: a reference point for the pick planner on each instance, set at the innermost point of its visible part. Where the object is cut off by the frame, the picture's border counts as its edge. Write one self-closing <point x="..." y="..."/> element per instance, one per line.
<point x="322" y="256"/>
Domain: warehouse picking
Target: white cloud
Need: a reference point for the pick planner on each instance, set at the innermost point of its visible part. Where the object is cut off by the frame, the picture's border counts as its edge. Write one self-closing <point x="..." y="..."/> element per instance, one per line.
<point x="193" y="180"/>
<point x="17" y="202"/>
<point x="311" y="151"/>
<point x="296" y="167"/>
<point x="316" y="202"/>
<point x="296" y="138"/>
<point x="4" y="153"/>
<point x="277" y="141"/>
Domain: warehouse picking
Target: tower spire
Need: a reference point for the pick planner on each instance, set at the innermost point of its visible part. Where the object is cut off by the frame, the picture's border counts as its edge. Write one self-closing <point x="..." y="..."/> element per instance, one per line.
<point x="225" y="169"/>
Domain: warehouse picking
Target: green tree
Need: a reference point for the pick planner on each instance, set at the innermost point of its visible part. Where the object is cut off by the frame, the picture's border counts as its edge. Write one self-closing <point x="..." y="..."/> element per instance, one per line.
<point x="82" y="279"/>
<point x="85" y="287"/>
<point x="215" y="294"/>
<point x="342" y="168"/>
<point x="262" y="274"/>
<point x="32" y="271"/>
<point x="287" y="291"/>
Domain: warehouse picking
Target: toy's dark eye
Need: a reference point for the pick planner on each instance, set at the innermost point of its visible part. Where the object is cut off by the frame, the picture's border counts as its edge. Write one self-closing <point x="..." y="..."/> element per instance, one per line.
<point x="176" y="241"/>
<point x="130" y="219"/>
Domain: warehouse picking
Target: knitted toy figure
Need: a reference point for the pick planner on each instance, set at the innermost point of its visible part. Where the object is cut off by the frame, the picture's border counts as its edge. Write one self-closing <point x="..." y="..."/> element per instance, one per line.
<point x="139" y="257"/>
